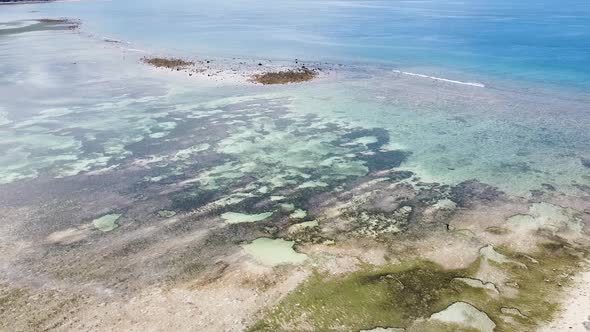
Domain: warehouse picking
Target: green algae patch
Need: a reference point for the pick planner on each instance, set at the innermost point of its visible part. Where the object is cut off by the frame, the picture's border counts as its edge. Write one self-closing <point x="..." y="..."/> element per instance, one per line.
<point x="410" y="295"/>
<point x="236" y="218"/>
<point x="273" y="252"/>
<point x="389" y="296"/>
<point x="497" y="230"/>
<point x="476" y="283"/>
<point x="548" y="271"/>
<point x="107" y="222"/>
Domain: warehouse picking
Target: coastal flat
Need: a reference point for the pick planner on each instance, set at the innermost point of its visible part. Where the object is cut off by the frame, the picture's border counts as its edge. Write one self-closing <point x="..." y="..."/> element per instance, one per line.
<point x="164" y="188"/>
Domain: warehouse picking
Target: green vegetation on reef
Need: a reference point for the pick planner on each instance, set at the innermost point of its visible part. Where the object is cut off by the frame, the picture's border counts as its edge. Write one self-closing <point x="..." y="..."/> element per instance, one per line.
<point x="388" y="296"/>
<point x="407" y="294"/>
<point x="497" y="230"/>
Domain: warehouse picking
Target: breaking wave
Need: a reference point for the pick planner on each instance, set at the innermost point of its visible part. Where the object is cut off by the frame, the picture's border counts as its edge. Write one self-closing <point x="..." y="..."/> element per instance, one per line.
<point x="479" y="85"/>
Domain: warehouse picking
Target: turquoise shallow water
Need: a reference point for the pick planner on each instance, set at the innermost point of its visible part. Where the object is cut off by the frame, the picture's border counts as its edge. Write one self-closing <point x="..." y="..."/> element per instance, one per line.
<point x="525" y="130"/>
<point x="532" y="40"/>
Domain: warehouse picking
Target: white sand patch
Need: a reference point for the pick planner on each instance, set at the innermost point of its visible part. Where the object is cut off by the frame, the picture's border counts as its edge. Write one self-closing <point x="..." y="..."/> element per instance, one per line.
<point x="575" y="307"/>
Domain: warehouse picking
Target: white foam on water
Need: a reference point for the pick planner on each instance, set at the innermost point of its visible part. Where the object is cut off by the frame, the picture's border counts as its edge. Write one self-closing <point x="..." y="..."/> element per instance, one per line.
<point x="479" y="85"/>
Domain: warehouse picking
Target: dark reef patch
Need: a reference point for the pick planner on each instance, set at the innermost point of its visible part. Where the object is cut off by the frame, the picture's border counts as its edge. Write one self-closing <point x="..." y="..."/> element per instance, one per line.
<point x="382" y="160"/>
<point x="191" y="199"/>
<point x="380" y="134"/>
<point x="400" y="176"/>
<point x="468" y="192"/>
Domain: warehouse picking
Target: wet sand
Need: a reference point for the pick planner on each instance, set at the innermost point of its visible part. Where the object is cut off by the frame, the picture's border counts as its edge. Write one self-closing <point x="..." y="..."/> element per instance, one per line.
<point x="574" y="314"/>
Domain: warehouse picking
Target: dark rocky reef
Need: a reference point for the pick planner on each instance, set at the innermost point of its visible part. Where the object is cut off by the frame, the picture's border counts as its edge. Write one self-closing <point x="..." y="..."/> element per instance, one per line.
<point x="302" y="74"/>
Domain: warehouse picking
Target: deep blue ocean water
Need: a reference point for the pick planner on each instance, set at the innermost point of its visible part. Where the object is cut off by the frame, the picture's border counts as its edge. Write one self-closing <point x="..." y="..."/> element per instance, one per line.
<point x="541" y="41"/>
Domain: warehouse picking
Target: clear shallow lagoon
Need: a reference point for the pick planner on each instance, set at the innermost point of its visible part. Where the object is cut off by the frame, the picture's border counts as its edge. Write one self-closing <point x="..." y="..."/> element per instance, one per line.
<point x="515" y="133"/>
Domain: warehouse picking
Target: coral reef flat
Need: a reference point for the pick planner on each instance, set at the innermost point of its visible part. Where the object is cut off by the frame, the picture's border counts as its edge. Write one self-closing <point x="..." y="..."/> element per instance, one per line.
<point x="190" y="193"/>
